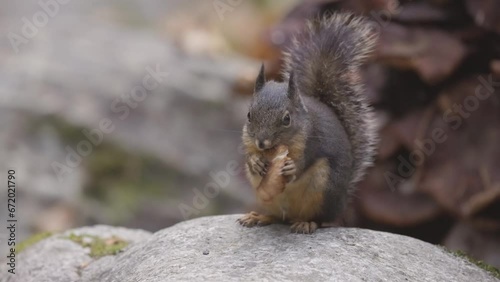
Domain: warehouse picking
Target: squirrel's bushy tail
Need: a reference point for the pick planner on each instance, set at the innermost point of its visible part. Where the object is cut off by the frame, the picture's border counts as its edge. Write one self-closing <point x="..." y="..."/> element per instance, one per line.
<point x="326" y="60"/>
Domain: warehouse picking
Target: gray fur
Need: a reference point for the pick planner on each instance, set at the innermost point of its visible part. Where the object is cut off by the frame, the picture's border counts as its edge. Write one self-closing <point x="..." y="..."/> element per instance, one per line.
<point x="328" y="139"/>
<point x="326" y="60"/>
<point x="267" y="110"/>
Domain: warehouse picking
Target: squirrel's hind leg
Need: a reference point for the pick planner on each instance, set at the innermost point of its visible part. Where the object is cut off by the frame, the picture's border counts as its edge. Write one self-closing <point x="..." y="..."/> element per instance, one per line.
<point x="304" y="227"/>
<point x="252" y="219"/>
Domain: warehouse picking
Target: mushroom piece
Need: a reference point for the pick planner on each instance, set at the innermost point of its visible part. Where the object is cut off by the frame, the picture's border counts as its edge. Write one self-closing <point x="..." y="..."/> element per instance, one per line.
<point x="273" y="182"/>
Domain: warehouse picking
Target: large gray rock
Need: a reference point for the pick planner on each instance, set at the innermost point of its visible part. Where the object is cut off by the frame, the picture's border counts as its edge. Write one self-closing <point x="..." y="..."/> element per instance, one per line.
<point x="218" y="249"/>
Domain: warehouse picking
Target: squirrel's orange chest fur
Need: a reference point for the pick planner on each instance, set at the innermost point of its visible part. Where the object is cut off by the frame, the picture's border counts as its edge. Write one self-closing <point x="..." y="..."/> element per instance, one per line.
<point x="302" y="199"/>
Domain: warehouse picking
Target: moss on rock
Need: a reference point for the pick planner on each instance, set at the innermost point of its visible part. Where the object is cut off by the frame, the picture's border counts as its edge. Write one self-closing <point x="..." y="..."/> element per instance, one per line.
<point x="31" y="241"/>
<point x="99" y="247"/>
<point x="491" y="269"/>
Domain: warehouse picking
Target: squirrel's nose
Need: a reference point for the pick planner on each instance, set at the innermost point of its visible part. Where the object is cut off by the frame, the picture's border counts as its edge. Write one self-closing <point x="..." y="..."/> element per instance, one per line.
<point x="263" y="144"/>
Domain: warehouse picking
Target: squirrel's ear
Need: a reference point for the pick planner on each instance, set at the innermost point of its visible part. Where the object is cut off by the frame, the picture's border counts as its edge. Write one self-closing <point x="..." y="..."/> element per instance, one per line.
<point x="292" y="87"/>
<point x="261" y="79"/>
<point x="293" y="93"/>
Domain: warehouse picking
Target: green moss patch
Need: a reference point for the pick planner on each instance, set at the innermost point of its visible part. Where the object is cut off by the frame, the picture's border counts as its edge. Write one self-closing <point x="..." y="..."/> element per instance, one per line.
<point x="99" y="247"/>
<point x="31" y="241"/>
<point x="491" y="269"/>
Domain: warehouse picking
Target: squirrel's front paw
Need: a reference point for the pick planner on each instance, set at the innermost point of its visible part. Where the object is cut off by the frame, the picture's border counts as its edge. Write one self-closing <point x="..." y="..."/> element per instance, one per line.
<point x="255" y="219"/>
<point x="289" y="169"/>
<point x="258" y="165"/>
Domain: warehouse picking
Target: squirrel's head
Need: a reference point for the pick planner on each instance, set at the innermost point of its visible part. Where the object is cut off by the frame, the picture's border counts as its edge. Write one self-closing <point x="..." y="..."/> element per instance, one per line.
<point x="276" y="115"/>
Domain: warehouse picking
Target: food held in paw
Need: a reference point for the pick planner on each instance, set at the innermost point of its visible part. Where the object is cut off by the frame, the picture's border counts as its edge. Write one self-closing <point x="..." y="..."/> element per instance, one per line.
<point x="273" y="182"/>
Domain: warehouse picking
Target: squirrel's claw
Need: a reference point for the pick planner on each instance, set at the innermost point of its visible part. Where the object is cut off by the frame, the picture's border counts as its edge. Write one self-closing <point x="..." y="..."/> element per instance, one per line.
<point x="258" y="166"/>
<point x="289" y="168"/>
<point x="304" y="227"/>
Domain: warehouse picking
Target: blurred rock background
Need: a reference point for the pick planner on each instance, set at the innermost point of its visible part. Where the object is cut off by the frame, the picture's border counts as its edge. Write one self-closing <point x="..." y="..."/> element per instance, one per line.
<point x="176" y="154"/>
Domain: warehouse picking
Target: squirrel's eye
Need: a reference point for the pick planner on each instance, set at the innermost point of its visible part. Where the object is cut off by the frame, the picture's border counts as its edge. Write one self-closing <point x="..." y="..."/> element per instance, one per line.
<point x="286" y="119"/>
<point x="248" y="116"/>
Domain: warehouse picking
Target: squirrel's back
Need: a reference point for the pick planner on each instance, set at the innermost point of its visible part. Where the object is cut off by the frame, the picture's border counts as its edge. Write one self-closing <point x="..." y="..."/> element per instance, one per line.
<point x="326" y="60"/>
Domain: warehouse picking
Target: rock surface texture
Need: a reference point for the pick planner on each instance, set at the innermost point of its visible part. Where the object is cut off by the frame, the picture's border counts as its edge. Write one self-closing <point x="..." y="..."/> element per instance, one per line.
<point x="218" y="249"/>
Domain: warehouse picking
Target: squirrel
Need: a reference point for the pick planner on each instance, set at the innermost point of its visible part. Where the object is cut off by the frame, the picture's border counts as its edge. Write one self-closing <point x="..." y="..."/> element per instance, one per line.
<point x="321" y="115"/>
